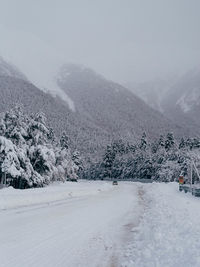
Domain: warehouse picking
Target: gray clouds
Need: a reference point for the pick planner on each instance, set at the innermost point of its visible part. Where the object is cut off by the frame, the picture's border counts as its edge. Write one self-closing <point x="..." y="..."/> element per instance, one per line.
<point x="126" y="40"/>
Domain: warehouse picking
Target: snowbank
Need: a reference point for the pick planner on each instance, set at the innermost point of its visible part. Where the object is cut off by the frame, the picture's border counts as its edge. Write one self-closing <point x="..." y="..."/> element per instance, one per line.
<point x="14" y="198"/>
<point x="169" y="232"/>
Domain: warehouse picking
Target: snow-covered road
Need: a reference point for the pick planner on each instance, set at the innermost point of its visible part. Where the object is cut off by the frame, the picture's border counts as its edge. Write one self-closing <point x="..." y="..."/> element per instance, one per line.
<point x="87" y="230"/>
<point x="91" y="224"/>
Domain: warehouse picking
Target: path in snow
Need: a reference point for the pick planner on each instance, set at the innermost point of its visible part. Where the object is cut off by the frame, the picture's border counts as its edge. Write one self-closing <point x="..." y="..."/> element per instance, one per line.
<point x="169" y="232"/>
<point x="82" y="231"/>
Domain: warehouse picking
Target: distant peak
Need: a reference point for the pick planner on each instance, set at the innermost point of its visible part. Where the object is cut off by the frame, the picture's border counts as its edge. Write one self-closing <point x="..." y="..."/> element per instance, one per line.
<point x="10" y="70"/>
<point x="80" y="71"/>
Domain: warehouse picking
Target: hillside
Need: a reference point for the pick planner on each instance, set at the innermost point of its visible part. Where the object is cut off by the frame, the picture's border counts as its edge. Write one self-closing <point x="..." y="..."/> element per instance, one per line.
<point x="182" y="102"/>
<point x="151" y="92"/>
<point x="111" y="106"/>
<point x="104" y="110"/>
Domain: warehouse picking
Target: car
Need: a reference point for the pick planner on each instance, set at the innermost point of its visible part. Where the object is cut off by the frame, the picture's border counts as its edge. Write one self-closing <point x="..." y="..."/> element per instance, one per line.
<point x="115" y="182"/>
<point x="72" y="180"/>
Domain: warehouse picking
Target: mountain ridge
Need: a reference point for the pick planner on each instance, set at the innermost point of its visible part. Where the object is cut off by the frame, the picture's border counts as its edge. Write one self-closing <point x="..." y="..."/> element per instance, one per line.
<point x="104" y="111"/>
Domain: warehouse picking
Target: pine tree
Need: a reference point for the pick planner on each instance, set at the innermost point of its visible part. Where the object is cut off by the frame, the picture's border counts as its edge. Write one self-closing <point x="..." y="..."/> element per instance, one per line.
<point x="38" y="131"/>
<point x="76" y="158"/>
<point x="2" y="125"/>
<point x="182" y="143"/>
<point x="9" y="163"/>
<point x="15" y="123"/>
<point x="161" y="141"/>
<point x="64" y="141"/>
<point x="143" y="142"/>
<point x="108" y="161"/>
<point x="169" y="142"/>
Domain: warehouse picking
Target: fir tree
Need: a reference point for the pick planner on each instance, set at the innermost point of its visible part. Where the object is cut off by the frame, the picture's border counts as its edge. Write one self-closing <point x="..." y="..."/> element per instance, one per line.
<point x="143" y="142"/>
<point x="64" y="141"/>
<point x="169" y="142"/>
<point x="182" y="143"/>
<point x="108" y="161"/>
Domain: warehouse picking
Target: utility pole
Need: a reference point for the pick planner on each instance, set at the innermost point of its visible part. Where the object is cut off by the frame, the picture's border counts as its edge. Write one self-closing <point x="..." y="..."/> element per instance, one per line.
<point x="196" y="170"/>
<point x="5" y="178"/>
<point x="191" y="170"/>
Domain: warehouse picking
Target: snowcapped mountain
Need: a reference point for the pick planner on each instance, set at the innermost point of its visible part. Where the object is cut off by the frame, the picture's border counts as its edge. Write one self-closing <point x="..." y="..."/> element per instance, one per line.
<point x="111" y="106"/>
<point x="186" y="91"/>
<point x="176" y="98"/>
<point x="104" y="110"/>
<point x="182" y="102"/>
<point x="152" y="92"/>
<point x="15" y="89"/>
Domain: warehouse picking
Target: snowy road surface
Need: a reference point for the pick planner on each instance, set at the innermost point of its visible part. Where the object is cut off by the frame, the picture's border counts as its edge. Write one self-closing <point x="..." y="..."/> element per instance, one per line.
<point x="81" y="231"/>
<point x="97" y="224"/>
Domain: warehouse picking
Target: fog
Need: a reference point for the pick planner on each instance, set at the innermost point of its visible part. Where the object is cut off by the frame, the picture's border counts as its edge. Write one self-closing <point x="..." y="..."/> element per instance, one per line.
<point x="125" y="40"/>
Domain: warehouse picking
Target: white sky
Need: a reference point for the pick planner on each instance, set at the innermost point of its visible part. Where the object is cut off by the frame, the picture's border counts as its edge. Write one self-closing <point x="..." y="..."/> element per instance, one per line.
<point x="125" y="40"/>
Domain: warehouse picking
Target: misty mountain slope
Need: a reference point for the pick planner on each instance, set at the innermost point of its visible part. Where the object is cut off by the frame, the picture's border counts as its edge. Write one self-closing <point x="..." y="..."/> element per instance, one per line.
<point x="182" y="103"/>
<point x="9" y="70"/>
<point x="85" y="136"/>
<point x="16" y="91"/>
<point x="152" y="92"/>
<point x="111" y="106"/>
<point x="104" y="110"/>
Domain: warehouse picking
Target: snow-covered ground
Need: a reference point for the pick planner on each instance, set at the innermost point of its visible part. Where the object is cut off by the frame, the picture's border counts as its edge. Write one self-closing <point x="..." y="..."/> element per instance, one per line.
<point x="91" y="224"/>
<point x="169" y="231"/>
<point x="58" y="191"/>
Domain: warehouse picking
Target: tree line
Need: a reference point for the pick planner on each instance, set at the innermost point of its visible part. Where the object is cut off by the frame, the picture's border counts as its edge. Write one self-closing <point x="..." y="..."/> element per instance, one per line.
<point x="32" y="156"/>
<point x="164" y="159"/>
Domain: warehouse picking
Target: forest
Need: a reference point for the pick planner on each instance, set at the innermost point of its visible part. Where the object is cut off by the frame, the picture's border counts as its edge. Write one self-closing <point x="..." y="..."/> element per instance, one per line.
<point x="32" y="156"/>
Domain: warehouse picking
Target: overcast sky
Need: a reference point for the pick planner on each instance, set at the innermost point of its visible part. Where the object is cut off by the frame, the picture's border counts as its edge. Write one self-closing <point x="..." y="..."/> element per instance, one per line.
<point x="125" y="40"/>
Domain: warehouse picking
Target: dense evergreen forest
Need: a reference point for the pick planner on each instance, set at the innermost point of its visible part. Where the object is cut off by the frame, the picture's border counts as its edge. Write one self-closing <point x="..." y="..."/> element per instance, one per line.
<point x="32" y="156"/>
<point x="163" y="160"/>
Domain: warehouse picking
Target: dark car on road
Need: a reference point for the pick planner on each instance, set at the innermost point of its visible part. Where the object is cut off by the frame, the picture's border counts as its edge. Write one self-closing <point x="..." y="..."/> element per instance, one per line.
<point x="72" y="180"/>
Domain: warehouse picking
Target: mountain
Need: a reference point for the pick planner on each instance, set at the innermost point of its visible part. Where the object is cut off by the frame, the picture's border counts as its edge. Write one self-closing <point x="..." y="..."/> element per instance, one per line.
<point x="10" y="70"/>
<point x="111" y="106"/>
<point x="104" y="110"/>
<point x="152" y="92"/>
<point x="182" y="102"/>
<point x="16" y="89"/>
<point x="177" y="98"/>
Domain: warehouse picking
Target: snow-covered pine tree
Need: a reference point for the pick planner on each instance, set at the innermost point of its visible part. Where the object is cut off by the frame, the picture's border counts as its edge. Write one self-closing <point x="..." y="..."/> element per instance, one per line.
<point x="108" y="161"/>
<point x="76" y="158"/>
<point x="2" y="125"/>
<point x="15" y="122"/>
<point x="161" y="141"/>
<point x="143" y="142"/>
<point x="67" y="164"/>
<point x="182" y="143"/>
<point x="38" y="130"/>
<point x="9" y="163"/>
<point x="169" y="142"/>
<point x="64" y="141"/>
